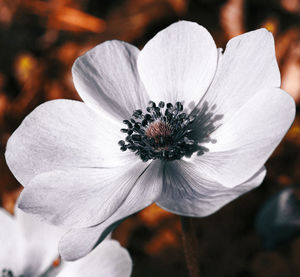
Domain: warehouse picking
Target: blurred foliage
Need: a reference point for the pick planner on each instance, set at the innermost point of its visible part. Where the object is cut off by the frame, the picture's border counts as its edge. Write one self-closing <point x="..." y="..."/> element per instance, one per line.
<point x="279" y="219"/>
<point x="39" y="41"/>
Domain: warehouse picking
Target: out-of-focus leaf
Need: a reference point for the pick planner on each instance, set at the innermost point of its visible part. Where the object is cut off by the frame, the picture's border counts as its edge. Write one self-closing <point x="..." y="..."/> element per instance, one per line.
<point x="279" y="219"/>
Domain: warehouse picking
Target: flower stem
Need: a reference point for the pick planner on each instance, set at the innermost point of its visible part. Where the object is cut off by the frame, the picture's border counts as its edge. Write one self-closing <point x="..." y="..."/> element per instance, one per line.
<point x="190" y="245"/>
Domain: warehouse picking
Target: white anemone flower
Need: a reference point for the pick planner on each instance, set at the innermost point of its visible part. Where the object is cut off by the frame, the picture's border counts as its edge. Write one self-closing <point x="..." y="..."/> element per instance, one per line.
<point x="29" y="248"/>
<point x="213" y="120"/>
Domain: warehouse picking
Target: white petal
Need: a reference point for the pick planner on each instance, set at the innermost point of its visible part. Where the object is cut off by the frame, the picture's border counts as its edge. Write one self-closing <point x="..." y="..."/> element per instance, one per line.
<point x="179" y="63"/>
<point x="107" y="260"/>
<point x="245" y="142"/>
<point x="80" y="197"/>
<point x="187" y="192"/>
<point x="106" y="78"/>
<point x="145" y="191"/>
<point x="247" y="66"/>
<point x="40" y="243"/>
<point x="11" y="251"/>
<point x="62" y="134"/>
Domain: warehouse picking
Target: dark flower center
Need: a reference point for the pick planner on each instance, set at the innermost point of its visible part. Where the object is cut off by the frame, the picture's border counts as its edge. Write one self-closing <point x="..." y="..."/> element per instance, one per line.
<point x="166" y="132"/>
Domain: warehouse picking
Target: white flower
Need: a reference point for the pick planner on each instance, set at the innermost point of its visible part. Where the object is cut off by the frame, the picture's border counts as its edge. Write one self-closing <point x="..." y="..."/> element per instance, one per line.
<point x="66" y="153"/>
<point x="29" y="248"/>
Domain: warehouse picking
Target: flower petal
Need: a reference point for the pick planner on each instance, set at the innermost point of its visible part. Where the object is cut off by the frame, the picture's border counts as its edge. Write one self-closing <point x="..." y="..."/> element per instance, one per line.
<point x="145" y="191"/>
<point x="247" y="66"/>
<point x="40" y="243"/>
<point x="11" y="251"/>
<point x="108" y="259"/>
<point x="186" y="192"/>
<point x="62" y="134"/>
<point x="106" y="78"/>
<point x="179" y="63"/>
<point x="80" y="197"/>
<point x="244" y="143"/>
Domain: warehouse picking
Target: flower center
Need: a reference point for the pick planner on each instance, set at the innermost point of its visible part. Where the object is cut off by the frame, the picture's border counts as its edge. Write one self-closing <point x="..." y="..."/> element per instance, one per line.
<point x="158" y="130"/>
<point x="166" y="132"/>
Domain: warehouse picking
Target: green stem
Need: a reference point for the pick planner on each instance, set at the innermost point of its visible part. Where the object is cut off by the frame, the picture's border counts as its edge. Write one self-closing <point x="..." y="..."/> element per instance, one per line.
<point x="190" y="246"/>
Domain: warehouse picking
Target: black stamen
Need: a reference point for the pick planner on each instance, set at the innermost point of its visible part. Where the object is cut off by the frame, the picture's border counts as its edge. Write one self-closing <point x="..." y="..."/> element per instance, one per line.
<point x="169" y="106"/>
<point x="121" y="142"/>
<point x="152" y="104"/>
<point x="161" y="104"/>
<point x="165" y="132"/>
<point x="123" y="148"/>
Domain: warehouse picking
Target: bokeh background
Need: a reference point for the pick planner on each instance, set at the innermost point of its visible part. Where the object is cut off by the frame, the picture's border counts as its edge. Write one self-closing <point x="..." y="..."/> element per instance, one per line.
<point x="39" y="41"/>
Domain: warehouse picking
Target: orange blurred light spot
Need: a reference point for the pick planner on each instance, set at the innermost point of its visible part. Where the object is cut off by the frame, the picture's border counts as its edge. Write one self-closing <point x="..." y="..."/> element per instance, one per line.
<point x="270" y="26"/>
<point x="24" y="65"/>
<point x="291" y="5"/>
<point x="180" y="6"/>
<point x="74" y="20"/>
<point x="271" y="23"/>
<point x="61" y="17"/>
<point x="164" y="239"/>
<point x="9" y="199"/>
<point x="294" y="133"/>
<point x="153" y="215"/>
<point x="284" y="180"/>
<point x="56" y="263"/>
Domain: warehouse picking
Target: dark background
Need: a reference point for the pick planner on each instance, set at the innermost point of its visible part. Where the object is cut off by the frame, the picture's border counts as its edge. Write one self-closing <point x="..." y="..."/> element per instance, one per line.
<point x="39" y="41"/>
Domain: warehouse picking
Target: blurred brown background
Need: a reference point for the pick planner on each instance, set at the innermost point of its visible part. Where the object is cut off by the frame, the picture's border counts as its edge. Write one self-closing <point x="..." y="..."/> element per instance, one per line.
<point x="39" y="41"/>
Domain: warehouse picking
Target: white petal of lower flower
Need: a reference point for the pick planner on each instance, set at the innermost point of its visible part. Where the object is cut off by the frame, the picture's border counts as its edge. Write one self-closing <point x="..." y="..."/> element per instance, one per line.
<point x="244" y="143"/>
<point x="106" y="78"/>
<point x="107" y="260"/>
<point x="80" y="197"/>
<point x="40" y="242"/>
<point x="145" y="191"/>
<point x="186" y="192"/>
<point x="11" y="252"/>
<point x="179" y="63"/>
<point x="62" y="134"/>
<point x="247" y="66"/>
